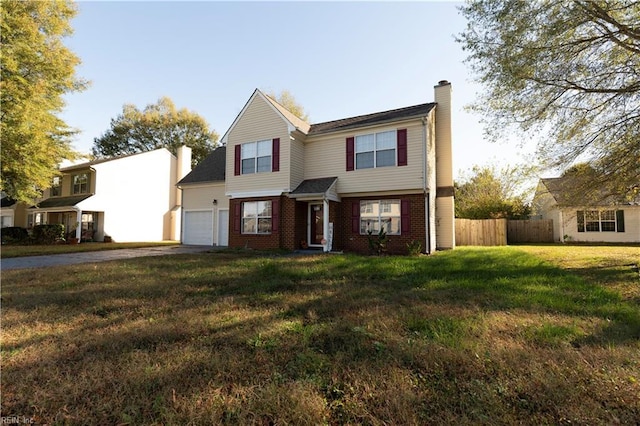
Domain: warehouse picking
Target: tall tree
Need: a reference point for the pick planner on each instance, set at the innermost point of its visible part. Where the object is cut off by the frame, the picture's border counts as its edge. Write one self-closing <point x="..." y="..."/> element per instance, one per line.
<point x="159" y="125"/>
<point x="568" y="71"/>
<point x="489" y="193"/>
<point x="36" y="70"/>
<point x="287" y="100"/>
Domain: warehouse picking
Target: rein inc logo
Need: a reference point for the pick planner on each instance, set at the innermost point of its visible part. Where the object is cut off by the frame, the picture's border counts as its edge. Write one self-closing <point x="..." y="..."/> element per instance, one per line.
<point x="16" y="420"/>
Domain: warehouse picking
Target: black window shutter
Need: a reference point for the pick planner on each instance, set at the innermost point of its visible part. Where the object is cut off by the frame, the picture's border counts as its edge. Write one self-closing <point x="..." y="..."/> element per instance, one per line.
<point x="620" y="220"/>
<point x="580" y="220"/>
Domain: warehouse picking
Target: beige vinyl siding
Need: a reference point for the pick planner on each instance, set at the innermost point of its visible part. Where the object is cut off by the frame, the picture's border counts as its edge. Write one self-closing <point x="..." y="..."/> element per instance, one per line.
<point x="325" y="156"/>
<point x="201" y="197"/>
<point x="297" y="163"/>
<point x="631" y="232"/>
<point x="259" y="122"/>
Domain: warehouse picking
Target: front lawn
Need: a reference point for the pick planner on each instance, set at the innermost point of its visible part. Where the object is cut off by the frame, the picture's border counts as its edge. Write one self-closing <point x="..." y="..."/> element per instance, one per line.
<point x="511" y="335"/>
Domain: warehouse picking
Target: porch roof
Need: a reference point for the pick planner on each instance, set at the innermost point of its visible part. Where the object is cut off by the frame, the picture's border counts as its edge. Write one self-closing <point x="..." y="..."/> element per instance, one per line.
<point x="314" y="187"/>
<point x="54" y="202"/>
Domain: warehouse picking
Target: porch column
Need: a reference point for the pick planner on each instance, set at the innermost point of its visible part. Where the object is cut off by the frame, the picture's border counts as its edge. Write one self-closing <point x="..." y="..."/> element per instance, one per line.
<point x="79" y="222"/>
<point x="325" y="225"/>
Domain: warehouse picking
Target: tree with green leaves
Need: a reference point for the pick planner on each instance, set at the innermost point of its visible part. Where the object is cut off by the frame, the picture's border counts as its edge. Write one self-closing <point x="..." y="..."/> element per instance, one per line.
<point x="567" y="72"/>
<point x="489" y="193"/>
<point x="36" y="71"/>
<point x="159" y="125"/>
<point x="287" y="100"/>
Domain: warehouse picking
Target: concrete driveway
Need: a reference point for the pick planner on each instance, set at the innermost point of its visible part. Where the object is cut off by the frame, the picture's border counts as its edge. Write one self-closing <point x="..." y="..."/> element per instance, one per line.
<point x="95" y="256"/>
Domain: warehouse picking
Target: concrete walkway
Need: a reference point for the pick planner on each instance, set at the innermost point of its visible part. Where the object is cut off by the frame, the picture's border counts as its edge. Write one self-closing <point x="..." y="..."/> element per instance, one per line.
<point x="95" y="256"/>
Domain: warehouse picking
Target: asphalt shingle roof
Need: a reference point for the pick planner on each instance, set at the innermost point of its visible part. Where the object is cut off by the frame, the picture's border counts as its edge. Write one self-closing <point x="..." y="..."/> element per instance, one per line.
<point x="62" y="201"/>
<point x="369" y="119"/>
<point x="314" y="186"/>
<point x="211" y="169"/>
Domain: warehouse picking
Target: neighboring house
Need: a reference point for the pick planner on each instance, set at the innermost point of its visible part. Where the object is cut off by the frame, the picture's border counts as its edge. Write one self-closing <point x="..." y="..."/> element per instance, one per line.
<point x="604" y="221"/>
<point x="12" y="213"/>
<point x="130" y="198"/>
<point x="204" y="203"/>
<point x="290" y="185"/>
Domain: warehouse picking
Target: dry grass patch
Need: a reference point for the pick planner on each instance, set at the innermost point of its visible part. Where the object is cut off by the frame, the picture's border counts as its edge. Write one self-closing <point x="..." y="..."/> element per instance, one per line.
<point x="471" y="336"/>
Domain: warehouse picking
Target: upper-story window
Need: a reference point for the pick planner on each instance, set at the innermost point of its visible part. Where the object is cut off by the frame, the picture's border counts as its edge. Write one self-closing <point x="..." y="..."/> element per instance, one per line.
<point x="256" y="157"/>
<point x="56" y="188"/>
<point x="80" y="183"/>
<point x="376" y="150"/>
<point x="373" y="150"/>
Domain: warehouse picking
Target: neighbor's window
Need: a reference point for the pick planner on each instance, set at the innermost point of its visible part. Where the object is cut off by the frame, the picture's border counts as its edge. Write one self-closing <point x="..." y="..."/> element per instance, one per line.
<point x="256" y="217"/>
<point x="598" y="221"/>
<point x="56" y="186"/>
<point x="80" y="183"/>
<point x="376" y="150"/>
<point x="376" y="214"/>
<point x="256" y="157"/>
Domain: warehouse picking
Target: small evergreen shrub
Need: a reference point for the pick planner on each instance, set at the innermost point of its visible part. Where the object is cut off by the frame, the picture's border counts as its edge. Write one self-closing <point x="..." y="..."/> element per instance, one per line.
<point x="414" y="248"/>
<point x="48" y="234"/>
<point x="14" y="235"/>
<point x="378" y="243"/>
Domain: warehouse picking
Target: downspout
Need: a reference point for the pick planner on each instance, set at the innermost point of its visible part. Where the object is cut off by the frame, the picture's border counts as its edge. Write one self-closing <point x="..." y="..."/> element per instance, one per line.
<point x="424" y="187"/>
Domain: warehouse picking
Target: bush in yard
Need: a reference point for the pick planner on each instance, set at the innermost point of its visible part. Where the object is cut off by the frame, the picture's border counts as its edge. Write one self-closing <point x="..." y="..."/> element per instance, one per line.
<point x="48" y="234"/>
<point x="14" y="235"/>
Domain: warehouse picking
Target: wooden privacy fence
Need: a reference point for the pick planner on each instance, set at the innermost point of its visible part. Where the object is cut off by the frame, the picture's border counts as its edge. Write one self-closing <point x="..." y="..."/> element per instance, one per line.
<point x="499" y="232"/>
<point x="481" y="232"/>
<point x="530" y="231"/>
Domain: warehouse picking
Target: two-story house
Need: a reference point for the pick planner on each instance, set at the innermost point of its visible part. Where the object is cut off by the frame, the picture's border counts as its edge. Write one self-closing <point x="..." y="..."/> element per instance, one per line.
<point x="130" y="198"/>
<point x="290" y="184"/>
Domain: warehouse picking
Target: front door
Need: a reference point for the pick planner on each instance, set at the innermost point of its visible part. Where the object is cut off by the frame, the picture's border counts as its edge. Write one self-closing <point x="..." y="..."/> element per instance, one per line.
<point x="316" y="225"/>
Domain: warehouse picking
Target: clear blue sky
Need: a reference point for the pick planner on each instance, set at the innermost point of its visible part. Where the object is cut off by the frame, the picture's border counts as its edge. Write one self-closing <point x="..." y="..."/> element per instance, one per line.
<point x="339" y="59"/>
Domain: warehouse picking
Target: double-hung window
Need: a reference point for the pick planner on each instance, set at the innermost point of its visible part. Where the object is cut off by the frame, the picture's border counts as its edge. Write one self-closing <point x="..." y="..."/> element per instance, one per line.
<point x="256" y="157"/>
<point x="56" y="189"/>
<point x="375" y="150"/>
<point x="256" y="217"/>
<point x="80" y="183"/>
<point x="600" y="221"/>
<point x="380" y="214"/>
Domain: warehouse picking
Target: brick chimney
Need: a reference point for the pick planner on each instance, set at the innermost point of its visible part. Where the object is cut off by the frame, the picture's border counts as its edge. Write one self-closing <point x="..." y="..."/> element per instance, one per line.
<point x="445" y="215"/>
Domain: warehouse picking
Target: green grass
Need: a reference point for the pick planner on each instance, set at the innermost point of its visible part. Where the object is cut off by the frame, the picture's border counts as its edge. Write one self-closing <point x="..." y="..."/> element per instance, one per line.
<point x="512" y="335"/>
<point x="38" y="250"/>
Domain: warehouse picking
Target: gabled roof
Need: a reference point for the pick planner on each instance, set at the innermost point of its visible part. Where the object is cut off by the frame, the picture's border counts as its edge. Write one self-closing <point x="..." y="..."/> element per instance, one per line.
<point x="568" y="191"/>
<point x="302" y="125"/>
<point x="211" y="169"/>
<point x="376" y="118"/>
<point x="292" y="121"/>
<point x="61" y="201"/>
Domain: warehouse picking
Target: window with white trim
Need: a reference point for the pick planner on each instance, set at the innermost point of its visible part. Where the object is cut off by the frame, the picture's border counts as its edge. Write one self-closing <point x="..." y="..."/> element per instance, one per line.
<point x="597" y="221"/>
<point x="376" y="150"/>
<point x="80" y="183"/>
<point x="56" y="189"/>
<point x="378" y="214"/>
<point x="256" y="157"/>
<point x="256" y="217"/>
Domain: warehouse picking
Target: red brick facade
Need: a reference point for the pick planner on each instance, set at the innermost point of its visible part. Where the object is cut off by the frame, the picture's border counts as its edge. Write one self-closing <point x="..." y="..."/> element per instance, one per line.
<point x="397" y="244"/>
<point x="291" y="228"/>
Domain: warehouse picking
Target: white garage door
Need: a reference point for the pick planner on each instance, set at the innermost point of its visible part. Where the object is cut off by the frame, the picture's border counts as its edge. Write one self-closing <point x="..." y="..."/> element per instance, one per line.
<point x="198" y="228"/>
